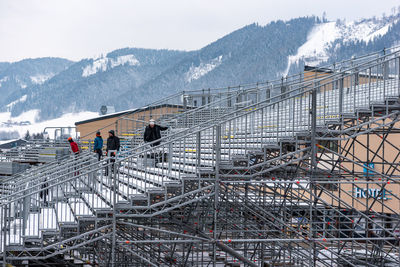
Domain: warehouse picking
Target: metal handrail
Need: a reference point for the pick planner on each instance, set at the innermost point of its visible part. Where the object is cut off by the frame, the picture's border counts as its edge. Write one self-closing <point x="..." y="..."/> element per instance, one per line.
<point x="328" y="68"/>
<point x="228" y="117"/>
<point x="213" y="140"/>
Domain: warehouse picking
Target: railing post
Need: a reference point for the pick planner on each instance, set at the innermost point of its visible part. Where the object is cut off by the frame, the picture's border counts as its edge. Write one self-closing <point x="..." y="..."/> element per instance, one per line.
<point x="398" y="75"/>
<point x="111" y="165"/>
<point x="229" y="98"/>
<point x="313" y="168"/>
<point x="313" y="128"/>
<point x="114" y="175"/>
<point x="4" y="233"/>
<point x="26" y="203"/>
<point x="198" y="149"/>
<point x="341" y="85"/>
<point x="217" y="182"/>
<point x="283" y="89"/>
<point x="170" y="152"/>
<point x="184" y="101"/>
<point x="385" y="77"/>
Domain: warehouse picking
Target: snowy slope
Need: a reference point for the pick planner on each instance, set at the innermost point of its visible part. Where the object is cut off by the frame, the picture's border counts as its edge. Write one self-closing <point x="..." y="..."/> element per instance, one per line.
<point x="197" y="72"/>
<point x="27" y="122"/>
<point x="21" y="100"/>
<point x="3" y="80"/>
<point x="321" y="39"/>
<point x="102" y="64"/>
<point x="41" y="78"/>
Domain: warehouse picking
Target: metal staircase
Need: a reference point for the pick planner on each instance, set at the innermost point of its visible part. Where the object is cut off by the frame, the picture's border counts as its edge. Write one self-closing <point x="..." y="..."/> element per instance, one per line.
<point x="261" y="183"/>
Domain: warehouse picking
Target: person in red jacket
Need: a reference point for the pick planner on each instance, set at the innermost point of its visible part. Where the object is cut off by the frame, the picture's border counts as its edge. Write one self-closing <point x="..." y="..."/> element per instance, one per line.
<point x="74" y="146"/>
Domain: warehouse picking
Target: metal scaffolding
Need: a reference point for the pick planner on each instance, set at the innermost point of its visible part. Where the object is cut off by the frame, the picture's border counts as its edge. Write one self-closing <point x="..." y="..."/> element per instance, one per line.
<point x="303" y="171"/>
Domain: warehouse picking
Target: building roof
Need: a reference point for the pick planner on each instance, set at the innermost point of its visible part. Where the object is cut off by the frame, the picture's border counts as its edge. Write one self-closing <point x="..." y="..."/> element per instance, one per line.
<point x="126" y="112"/>
<point x="7" y="144"/>
<point x="317" y="69"/>
<point x="326" y="70"/>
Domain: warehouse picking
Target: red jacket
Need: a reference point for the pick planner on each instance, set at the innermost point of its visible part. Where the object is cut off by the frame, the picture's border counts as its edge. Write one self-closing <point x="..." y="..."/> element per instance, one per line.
<point x="74" y="147"/>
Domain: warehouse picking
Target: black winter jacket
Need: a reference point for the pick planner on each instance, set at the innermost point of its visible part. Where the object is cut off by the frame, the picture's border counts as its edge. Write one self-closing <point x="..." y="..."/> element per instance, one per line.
<point x="113" y="143"/>
<point x="152" y="134"/>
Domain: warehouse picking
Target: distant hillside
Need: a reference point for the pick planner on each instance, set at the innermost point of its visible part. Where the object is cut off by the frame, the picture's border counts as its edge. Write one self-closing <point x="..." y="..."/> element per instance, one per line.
<point x="16" y="79"/>
<point x="133" y="77"/>
<point x="90" y="83"/>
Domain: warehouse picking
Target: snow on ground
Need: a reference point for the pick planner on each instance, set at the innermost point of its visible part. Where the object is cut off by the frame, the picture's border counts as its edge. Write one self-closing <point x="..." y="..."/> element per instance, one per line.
<point x="10" y="124"/>
<point x="195" y="73"/>
<point x="41" y="78"/>
<point x="103" y="63"/>
<point x="321" y="38"/>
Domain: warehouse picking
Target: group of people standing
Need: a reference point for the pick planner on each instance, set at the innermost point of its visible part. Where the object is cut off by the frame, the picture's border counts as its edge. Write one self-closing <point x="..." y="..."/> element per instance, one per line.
<point x="152" y="133"/>
<point x="112" y="144"/>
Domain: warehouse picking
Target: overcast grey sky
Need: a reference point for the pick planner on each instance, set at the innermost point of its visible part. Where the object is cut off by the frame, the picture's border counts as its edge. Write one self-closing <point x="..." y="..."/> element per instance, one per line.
<point x="75" y="29"/>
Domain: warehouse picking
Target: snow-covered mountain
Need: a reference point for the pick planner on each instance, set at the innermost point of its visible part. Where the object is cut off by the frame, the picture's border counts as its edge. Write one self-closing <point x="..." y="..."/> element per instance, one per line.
<point x="105" y="63"/>
<point x="16" y="78"/>
<point x="326" y="38"/>
<point x="133" y="77"/>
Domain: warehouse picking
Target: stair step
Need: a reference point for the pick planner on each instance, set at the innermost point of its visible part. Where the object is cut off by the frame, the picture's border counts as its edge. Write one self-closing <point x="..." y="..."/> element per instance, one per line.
<point x="139" y="197"/>
<point x="205" y="170"/>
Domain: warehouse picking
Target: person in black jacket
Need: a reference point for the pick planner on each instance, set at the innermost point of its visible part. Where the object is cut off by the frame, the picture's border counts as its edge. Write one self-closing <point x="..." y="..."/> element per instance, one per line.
<point x="153" y="133"/>
<point x="112" y="141"/>
<point x="112" y="144"/>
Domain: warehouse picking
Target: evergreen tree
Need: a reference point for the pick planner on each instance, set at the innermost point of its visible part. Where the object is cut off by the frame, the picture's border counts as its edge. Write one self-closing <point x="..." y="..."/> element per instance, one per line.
<point x="27" y="136"/>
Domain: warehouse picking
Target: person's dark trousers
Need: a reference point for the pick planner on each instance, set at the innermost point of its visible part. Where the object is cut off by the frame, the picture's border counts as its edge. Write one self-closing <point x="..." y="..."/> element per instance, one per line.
<point x="112" y="160"/>
<point x="99" y="153"/>
<point x="112" y="166"/>
<point x="44" y="193"/>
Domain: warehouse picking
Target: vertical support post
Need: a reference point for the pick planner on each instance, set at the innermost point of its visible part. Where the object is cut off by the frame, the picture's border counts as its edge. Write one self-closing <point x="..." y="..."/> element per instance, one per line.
<point x="198" y="149"/>
<point x="313" y="127"/>
<point x="170" y="151"/>
<point x="26" y="202"/>
<point x="313" y="168"/>
<point x="229" y="104"/>
<point x="218" y="150"/>
<point x="385" y="79"/>
<point x="114" y="219"/>
<point x="185" y="102"/>
<point x="341" y="84"/>
<point x="216" y="190"/>
<point x="4" y="233"/>
<point x="398" y="75"/>
<point x="369" y="87"/>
